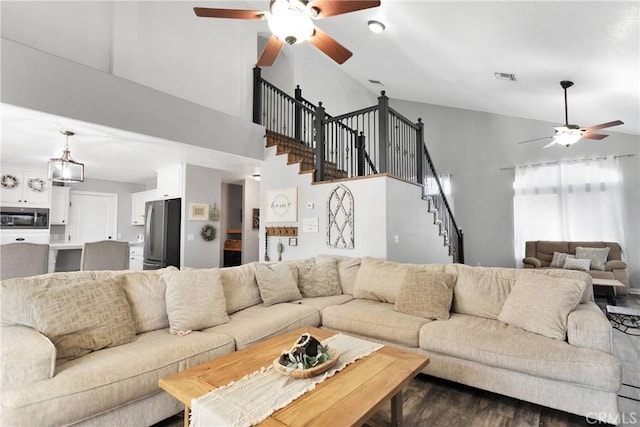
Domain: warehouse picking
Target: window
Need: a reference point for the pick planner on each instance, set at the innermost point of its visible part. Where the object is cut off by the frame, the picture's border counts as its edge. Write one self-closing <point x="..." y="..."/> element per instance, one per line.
<point x="579" y="201"/>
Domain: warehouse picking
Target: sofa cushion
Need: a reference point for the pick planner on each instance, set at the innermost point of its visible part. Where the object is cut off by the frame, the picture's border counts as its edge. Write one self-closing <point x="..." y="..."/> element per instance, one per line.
<point x="598" y="256"/>
<point x="84" y="317"/>
<point x="348" y="271"/>
<point x="381" y="280"/>
<point x="146" y="295"/>
<point x="494" y="343"/>
<point x="576" y="264"/>
<point x="541" y="304"/>
<point x="276" y="283"/>
<point x="481" y="291"/>
<point x="426" y="294"/>
<point x="318" y="277"/>
<point x="195" y="300"/>
<point x="374" y="319"/>
<point x="240" y="287"/>
<point x="109" y="378"/>
<point x="321" y="302"/>
<point x="259" y="322"/>
<point x="14" y="308"/>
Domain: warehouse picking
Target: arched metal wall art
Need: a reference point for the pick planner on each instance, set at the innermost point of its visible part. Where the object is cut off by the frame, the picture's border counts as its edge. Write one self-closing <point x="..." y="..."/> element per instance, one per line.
<point x="340" y="229"/>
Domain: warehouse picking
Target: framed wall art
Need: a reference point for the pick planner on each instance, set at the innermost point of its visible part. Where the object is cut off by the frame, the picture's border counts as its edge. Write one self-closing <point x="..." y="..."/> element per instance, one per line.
<point x="255" y="219"/>
<point x="198" y="211"/>
<point x="281" y="205"/>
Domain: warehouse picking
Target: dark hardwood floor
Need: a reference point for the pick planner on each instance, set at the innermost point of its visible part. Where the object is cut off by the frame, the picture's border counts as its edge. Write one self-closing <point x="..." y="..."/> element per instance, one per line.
<point x="434" y="402"/>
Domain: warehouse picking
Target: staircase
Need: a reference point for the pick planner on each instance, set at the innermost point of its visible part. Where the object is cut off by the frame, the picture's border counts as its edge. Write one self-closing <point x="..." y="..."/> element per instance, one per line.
<point x="297" y="152"/>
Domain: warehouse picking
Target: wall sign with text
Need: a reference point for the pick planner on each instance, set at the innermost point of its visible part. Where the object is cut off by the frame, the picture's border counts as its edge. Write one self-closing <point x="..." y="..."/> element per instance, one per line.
<point x="282" y="205"/>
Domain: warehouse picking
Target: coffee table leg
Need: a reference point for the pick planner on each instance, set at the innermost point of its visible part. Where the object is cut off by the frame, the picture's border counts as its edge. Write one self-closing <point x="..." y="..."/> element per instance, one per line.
<point x="396" y="410"/>
<point x="186" y="416"/>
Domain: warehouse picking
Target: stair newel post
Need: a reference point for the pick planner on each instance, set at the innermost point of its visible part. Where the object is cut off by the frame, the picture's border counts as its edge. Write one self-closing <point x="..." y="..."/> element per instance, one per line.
<point x="419" y="152"/>
<point x="460" y="257"/>
<point x="361" y="159"/>
<point x="383" y="131"/>
<point x="298" y="114"/>
<point x="257" y="95"/>
<point x="320" y="142"/>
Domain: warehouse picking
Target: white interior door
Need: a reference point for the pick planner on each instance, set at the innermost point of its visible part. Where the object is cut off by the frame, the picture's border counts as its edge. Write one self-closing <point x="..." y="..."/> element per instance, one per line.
<point x="92" y="217"/>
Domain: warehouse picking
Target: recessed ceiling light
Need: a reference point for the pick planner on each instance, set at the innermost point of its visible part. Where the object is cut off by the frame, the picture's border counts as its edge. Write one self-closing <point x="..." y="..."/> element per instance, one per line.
<point x="376" y="82"/>
<point x="505" y="76"/>
<point x="256" y="176"/>
<point x="376" y="26"/>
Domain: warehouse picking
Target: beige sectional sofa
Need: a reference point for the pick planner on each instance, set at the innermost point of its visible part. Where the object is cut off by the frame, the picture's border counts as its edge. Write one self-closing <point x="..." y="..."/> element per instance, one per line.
<point x="470" y="321"/>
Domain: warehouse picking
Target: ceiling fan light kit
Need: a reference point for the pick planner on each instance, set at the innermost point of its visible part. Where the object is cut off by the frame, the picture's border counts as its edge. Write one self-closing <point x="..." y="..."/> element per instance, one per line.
<point x="569" y="134"/>
<point x="291" y="22"/>
<point x="65" y="169"/>
<point x="376" y="26"/>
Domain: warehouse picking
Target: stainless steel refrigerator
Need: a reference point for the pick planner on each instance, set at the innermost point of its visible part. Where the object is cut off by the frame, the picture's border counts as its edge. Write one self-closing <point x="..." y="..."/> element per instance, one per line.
<point x="162" y="234"/>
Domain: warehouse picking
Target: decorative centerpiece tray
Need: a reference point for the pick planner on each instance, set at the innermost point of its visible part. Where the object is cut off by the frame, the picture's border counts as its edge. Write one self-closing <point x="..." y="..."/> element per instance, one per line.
<point x="308" y="373"/>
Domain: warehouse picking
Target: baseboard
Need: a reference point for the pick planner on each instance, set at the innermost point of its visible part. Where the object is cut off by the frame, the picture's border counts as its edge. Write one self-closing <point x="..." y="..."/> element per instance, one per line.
<point x="633" y="291"/>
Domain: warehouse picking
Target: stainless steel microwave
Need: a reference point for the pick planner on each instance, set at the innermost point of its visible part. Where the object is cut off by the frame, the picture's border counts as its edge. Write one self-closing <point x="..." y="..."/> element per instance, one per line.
<point x="24" y="218"/>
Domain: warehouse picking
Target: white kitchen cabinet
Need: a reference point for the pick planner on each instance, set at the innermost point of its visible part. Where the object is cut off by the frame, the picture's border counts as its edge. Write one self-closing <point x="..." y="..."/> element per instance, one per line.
<point x="135" y="258"/>
<point x="25" y="187"/>
<point x="138" y="201"/>
<point x="170" y="182"/>
<point x="59" y="205"/>
<point x="24" y="236"/>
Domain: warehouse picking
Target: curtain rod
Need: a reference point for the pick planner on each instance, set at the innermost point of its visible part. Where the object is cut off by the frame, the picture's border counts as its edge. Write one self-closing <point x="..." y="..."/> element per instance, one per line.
<point x="586" y="159"/>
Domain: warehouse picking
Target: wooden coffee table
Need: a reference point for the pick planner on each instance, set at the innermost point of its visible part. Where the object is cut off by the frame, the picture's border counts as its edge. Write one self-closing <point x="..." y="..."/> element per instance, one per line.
<point x="350" y="397"/>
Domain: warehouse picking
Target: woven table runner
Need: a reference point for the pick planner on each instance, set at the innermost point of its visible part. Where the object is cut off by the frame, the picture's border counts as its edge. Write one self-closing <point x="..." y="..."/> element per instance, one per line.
<point x="256" y="396"/>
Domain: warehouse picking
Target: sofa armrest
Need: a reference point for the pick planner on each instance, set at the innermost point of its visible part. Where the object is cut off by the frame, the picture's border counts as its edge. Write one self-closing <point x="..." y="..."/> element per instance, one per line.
<point x="25" y="356"/>
<point x="588" y="327"/>
<point x="614" y="264"/>
<point x="531" y="262"/>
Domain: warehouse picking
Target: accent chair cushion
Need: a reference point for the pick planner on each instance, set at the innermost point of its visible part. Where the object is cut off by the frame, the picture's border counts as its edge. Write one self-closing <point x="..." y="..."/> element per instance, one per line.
<point x="318" y="277"/>
<point x="276" y="283"/>
<point x="426" y="294"/>
<point x="195" y="300"/>
<point x="541" y="304"/>
<point x="577" y="264"/>
<point x="598" y="256"/>
<point x="84" y="317"/>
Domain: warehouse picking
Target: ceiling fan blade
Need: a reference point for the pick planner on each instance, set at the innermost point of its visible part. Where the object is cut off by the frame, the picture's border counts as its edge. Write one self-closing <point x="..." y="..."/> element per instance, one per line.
<point x="329" y="46"/>
<point x="338" y="7"/>
<point x="550" y="144"/>
<point x="270" y="52"/>
<point x="206" y="12"/>
<point x="594" y="136"/>
<point x="604" y="125"/>
<point x="535" y="139"/>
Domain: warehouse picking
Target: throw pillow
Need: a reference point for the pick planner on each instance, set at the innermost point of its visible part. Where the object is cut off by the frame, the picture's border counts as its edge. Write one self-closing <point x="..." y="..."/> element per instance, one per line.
<point x="559" y="259"/>
<point x="482" y="291"/>
<point x="541" y="304"/>
<point x="276" y="283"/>
<point x="240" y="287"/>
<point x="319" y="277"/>
<point x="577" y="264"/>
<point x="381" y="280"/>
<point x="598" y="256"/>
<point x="84" y="317"/>
<point x="426" y="294"/>
<point x="195" y="300"/>
<point x="348" y="271"/>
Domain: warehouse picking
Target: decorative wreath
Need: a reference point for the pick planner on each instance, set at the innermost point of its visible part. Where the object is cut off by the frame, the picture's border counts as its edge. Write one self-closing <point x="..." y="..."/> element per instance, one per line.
<point x="8" y="181"/>
<point x="36" y="184"/>
<point x="208" y="232"/>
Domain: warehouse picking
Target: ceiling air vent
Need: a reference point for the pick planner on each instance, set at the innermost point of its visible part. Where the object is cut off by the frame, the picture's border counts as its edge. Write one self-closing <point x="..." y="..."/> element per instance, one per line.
<point x="376" y="82"/>
<point x="505" y="76"/>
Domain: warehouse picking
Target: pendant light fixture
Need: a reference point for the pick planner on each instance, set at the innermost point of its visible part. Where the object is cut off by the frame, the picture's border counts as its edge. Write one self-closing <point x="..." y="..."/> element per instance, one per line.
<point x="65" y="169"/>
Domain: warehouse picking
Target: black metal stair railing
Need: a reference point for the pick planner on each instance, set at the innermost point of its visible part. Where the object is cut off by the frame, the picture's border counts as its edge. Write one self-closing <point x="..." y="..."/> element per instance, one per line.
<point x="368" y="141"/>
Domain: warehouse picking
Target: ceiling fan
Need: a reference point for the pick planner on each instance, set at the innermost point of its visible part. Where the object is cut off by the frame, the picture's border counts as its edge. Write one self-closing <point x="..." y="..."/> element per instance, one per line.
<point x="570" y="134"/>
<point x="291" y="21"/>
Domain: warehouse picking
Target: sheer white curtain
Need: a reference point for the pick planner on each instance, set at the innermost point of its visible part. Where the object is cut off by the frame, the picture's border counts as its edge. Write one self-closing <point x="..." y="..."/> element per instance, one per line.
<point x="579" y="200"/>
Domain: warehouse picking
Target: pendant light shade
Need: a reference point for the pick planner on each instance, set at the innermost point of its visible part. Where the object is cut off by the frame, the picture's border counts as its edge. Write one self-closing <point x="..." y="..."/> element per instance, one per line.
<point x="65" y="169"/>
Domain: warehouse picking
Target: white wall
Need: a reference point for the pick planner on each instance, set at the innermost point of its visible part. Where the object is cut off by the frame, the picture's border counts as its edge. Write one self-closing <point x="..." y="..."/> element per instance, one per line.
<point x="202" y="185"/>
<point x="250" y="236"/>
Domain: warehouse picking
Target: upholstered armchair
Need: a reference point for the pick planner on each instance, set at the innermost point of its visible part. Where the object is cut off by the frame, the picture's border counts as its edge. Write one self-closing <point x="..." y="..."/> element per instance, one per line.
<point x="539" y="254"/>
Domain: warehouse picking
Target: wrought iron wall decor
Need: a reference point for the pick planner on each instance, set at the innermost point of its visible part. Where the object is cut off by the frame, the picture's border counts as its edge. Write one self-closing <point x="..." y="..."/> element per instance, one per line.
<point x="340" y="225"/>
